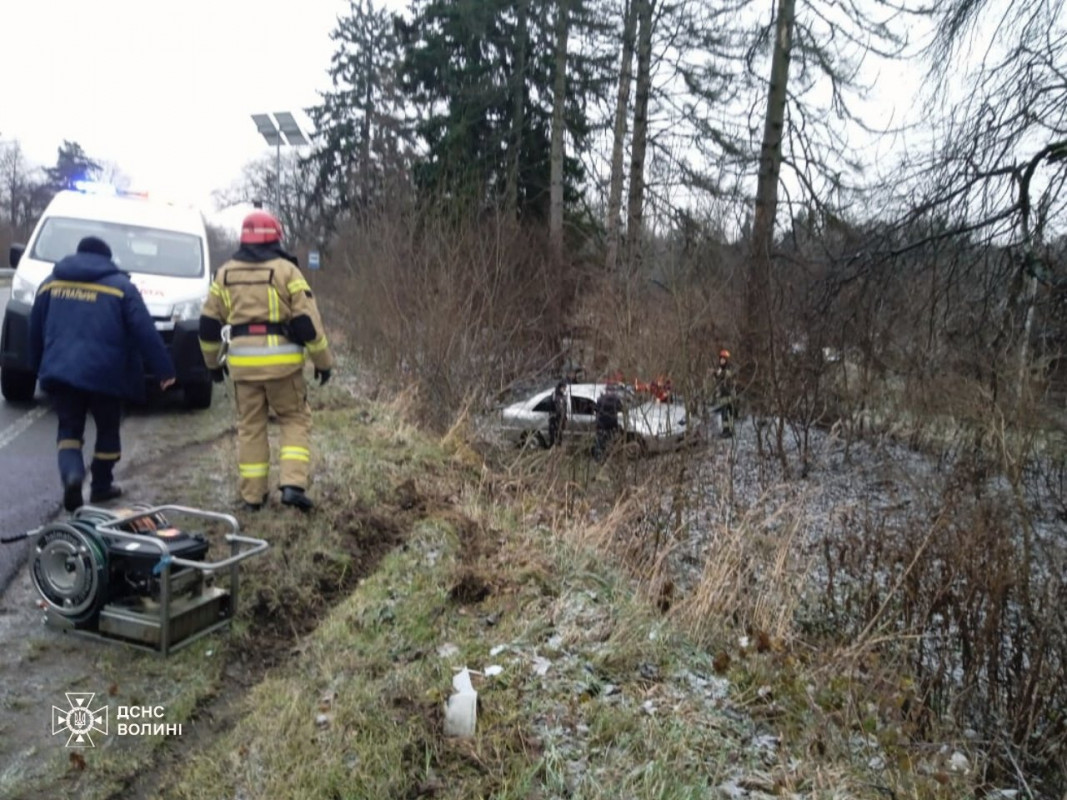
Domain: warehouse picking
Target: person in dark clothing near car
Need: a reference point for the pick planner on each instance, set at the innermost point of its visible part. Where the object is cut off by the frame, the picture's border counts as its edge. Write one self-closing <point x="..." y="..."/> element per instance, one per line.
<point x="89" y="331"/>
<point x="557" y="417"/>
<point x="608" y="408"/>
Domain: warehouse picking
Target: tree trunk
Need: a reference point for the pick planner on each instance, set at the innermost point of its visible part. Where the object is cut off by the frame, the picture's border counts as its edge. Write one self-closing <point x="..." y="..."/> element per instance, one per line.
<point x="1030" y="240"/>
<point x="770" y="163"/>
<point x="635" y="206"/>
<point x="622" y="106"/>
<point x="759" y="316"/>
<point x="559" y="99"/>
<point x="18" y="188"/>
<point x="365" y="140"/>
<point x="1024" y="345"/>
<point x="518" y="106"/>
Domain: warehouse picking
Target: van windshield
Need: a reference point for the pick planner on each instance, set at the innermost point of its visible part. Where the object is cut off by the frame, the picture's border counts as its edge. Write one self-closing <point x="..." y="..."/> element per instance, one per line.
<point x="148" y="251"/>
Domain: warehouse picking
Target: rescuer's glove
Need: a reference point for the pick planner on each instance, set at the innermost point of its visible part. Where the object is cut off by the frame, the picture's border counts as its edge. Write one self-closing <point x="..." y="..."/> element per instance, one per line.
<point x="219" y="374"/>
<point x="323" y="376"/>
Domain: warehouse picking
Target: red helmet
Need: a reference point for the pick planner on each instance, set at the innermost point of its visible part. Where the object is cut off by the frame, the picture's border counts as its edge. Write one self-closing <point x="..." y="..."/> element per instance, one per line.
<point x="260" y="227"/>
<point x="724" y="353"/>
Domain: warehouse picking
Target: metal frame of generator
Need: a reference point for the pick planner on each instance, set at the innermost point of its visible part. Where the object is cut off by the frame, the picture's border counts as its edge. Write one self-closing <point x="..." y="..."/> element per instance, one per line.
<point x="130" y="576"/>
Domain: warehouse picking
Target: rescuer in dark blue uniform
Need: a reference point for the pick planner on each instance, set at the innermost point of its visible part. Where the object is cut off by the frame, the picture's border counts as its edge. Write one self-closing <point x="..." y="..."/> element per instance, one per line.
<point x="89" y="330"/>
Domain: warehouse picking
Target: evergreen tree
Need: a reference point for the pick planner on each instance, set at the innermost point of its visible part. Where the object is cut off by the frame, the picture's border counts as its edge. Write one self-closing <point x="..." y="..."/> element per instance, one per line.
<point x="72" y="164"/>
<point x="482" y="74"/>
<point x="361" y="134"/>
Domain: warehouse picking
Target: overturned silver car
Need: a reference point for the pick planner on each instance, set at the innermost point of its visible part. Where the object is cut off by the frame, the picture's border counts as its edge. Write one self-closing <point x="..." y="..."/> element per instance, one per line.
<point x="654" y="425"/>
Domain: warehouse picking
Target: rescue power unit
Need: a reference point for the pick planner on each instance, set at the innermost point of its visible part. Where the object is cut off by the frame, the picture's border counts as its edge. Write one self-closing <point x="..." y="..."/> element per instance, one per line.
<point x="130" y="575"/>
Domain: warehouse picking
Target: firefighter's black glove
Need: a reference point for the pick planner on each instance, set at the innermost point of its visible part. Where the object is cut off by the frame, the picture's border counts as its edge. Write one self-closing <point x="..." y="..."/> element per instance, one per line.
<point x="323" y="376"/>
<point x="219" y="374"/>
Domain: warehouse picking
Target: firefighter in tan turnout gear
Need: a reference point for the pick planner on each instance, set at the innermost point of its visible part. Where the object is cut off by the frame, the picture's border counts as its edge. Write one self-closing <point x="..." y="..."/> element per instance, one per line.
<point x="274" y="325"/>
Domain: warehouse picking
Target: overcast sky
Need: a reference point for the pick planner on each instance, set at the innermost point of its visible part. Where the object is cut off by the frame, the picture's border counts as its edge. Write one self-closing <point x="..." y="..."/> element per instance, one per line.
<point x="164" y="90"/>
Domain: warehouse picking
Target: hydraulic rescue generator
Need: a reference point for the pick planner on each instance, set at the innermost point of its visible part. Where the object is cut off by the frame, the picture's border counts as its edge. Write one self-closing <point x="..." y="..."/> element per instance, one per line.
<point x="129" y="575"/>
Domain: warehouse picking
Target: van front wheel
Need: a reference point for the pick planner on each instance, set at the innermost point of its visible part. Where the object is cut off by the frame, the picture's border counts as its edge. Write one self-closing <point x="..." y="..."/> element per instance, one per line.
<point x="17" y="386"/>
<point x="198" y="395"/>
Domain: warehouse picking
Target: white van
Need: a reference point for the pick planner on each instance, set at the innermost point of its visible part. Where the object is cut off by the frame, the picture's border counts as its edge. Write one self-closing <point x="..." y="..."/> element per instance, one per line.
<point x="162" y="246"/>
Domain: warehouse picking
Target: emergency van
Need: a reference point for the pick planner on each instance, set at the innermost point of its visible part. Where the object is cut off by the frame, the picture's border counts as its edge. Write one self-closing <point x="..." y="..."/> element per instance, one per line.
<point x="162" y="246"/>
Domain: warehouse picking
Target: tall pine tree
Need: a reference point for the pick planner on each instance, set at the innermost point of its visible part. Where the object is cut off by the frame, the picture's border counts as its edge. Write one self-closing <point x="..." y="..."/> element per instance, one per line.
<point x="482" y="74"/>
<point x="362" y="138"/>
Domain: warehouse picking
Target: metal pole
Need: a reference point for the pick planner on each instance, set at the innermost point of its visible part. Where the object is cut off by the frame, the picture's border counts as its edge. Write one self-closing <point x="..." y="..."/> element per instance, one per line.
<point x="278" y="178"/>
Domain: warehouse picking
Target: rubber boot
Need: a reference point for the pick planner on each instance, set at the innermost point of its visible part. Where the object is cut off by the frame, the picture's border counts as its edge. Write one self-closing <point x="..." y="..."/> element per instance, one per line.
<point x="105" y="493"/>
<point x="72" y="492"/>
<point x="294" y="496"/>
<point x="246" y="506"/>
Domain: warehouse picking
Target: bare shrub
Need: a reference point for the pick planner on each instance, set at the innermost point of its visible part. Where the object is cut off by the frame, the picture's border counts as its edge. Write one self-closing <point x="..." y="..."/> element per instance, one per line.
<point x="669" y="320"/>
<point x="974" y="596"/>
<point x="460" y="308"/>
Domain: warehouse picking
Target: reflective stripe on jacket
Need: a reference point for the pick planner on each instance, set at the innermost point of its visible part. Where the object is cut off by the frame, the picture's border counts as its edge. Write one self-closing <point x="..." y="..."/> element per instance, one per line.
<point x="270" y="291"/>
<point x="90" y="329"/>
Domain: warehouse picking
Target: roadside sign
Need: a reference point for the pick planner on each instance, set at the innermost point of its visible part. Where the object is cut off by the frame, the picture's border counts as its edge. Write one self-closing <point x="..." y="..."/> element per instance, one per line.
<point x="313" y="259"/>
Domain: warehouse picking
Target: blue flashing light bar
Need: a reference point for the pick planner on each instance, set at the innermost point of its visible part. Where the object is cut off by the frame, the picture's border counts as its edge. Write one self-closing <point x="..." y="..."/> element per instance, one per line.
<point x="92" y="187"/>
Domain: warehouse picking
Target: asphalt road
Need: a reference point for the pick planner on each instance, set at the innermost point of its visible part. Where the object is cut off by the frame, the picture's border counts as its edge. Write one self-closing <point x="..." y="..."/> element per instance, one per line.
<point x="30" y="493"/>
<point x="29" y="480"/>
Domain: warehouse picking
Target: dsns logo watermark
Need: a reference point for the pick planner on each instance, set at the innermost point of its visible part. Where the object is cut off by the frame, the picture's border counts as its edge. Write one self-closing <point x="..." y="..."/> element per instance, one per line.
<point x="80" y="720"/>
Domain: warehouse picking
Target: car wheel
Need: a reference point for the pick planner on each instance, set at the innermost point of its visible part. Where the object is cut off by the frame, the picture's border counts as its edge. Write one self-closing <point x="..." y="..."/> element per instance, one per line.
<point x="198" y="395"/>
<point x="533" y="439"/>
<point x="17" y="386"/>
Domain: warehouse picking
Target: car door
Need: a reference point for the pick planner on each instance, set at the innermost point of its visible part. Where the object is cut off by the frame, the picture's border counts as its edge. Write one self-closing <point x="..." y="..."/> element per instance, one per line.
<point x="537" y="416"/>
<point x="582" y="417"/>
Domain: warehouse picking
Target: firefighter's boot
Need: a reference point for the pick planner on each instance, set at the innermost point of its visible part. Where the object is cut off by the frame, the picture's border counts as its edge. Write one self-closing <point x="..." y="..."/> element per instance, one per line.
<point x="294" y="496"/>
<point x="104" y="493"/>
<point x="247" y="506"/>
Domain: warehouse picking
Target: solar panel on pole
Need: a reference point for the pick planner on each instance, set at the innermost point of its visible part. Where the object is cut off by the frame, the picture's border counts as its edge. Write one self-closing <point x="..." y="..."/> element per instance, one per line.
<point x="289" y="127"/>
<point x="266" y="127"/>
<point x="285" y="132"/>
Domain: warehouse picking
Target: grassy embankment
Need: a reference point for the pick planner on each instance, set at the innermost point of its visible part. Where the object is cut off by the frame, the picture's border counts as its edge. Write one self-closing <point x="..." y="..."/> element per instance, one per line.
<point x="417" y="562"/>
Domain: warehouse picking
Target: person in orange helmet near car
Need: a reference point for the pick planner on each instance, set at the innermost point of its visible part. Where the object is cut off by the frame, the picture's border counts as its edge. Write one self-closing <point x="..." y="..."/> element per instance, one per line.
<point x="724" y="398"/>
<point x="274" y="326"/>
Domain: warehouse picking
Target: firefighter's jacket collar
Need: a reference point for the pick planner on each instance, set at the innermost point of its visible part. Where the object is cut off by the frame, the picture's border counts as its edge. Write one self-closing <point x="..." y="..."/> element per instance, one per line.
<point x="258" y="253"/>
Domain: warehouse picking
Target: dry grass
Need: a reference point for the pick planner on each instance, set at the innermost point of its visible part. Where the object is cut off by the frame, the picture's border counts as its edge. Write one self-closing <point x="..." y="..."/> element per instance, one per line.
<point x="754" y="578"/>
<point x="902" y="591"/>
<point x="423" y="559"/>
<point x="835" y="665"/>
<point x="358" y="711"/>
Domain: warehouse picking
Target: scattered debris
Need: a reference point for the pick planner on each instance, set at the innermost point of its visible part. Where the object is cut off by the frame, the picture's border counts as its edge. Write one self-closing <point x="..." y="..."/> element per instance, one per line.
<point x="959" y="763"/>
<point x="541" y="665"/>
<point x="461" y="711"/>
